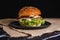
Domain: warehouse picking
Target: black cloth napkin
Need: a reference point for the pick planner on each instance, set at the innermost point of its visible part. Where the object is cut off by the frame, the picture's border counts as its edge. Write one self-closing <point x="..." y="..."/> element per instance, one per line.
<point x="3" y="35"/>
<point x="51" y="36"/>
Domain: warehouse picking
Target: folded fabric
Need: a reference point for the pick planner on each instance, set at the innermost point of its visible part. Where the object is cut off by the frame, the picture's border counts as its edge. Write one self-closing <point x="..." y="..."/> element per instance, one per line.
<point x="48" y="36"/>
<point x="3" y="34"/>
<point x="51" y="36"/>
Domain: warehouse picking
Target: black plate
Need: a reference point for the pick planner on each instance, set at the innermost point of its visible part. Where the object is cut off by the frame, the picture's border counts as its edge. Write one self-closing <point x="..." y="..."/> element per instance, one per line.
<point x="16" y="24"/>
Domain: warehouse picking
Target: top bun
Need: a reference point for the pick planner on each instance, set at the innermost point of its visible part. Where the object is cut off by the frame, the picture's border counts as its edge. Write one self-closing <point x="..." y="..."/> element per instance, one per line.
<point x="28" y="11"/>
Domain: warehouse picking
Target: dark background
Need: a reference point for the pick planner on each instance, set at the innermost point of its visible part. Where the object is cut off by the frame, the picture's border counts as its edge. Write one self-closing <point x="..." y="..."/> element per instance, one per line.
<point x="10" y="8"/>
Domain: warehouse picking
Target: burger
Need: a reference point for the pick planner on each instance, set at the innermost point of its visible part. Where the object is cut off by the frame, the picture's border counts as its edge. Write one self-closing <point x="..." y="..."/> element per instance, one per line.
<point x="30" y="17"/>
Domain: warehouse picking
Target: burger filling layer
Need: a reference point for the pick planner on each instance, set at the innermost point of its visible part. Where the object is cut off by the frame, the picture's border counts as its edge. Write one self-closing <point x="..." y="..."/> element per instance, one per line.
<point x="31" y="22"/>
